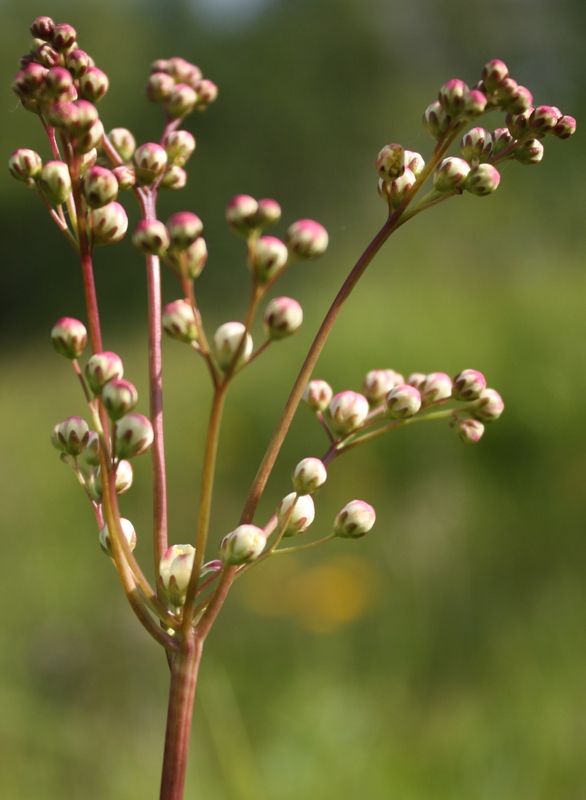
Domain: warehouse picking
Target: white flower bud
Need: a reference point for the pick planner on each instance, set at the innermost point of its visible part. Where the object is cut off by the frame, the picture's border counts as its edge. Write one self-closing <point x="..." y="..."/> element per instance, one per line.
<point x="348" y="410"/>
<point x="128" y="532"/>
<point x="301" y="516"/>
<point x="354" y="520"/>
<point x="242" y="545"/>
<point x="175" y="570"/>
<point x="309" y="475"/>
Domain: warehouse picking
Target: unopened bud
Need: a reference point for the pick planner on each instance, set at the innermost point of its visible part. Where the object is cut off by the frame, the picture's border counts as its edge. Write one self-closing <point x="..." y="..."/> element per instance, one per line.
<point x="77" y="62"/>
<point x="93" y="84"/>
<point x="565" y="127"/>
<point x="109" y="223"/>
<point x="159" y="87"/>
<point x="390" y="162"/>
<point x="354" y="520"/>
<point x="470" y="431"/>
<point x="63" y="37"/>
<point x="482" y="180"/>
<point x="151" y="237"/>
<point x="436" y="386"/>
<point x="450" y="174"/>
<point x="416" y="379"/>
<point x="494" y="73"/>
<point x="414" y="161"/>
<point x="179" y="322"/>
<point x="476" y="145"/>
<point x="174" y="178"/>
<point x="436" y="120"/>
<point x="400" y="186"/>
<point x="128" y="532"/>
<point x="518" y="124"/>
<point x="99" y="187"/>
<point x="42" y="28"/>
<point x="150" y="160"/>
<point x="348" y="410"/>
<point x="195" y="258"/>
<point x="227" y="342"/>
<point x="296" y="513"/>
<point x="378" y="383"/>
<point x="309" y="475"/>
<point x="55" y="181"/>
<point x="184" y="228"/>
<point x="475" y="103"/>
<point x="179" y="146"/>
<point x="318" y="395"/>
<point x="451" y="97"/>
<point x="207" y="92"/>
<point x="119" y="397"/>
<point x="268" y="212"/>
<point x="489" y="406"/>
<point x="134" y="435"/>
<point x="267" y="258"/>
<point x="501" y="139"/>
<point x="25" y="165"/>
<point x="122" y="482"/>
<point x="123" y="142"/>
<point x="531" y="152"/>
<point x="101" y="368"/>
<point x="175" y="569"/>
<point x="468" y="385"/>
<point x="543" y="119"/>
<point x="69" y="337"/>
<point x="242" y="545"/>
<point x="181" y="101"/>
<point x="241" y="214"/>
<point x="403" y="401"/>
<point x="58" y="81"/>
<point x="126" y="177"/>
<point x="73" y="434"/>
<point x="91" y="138"/>
<point x="282" y="317"/>
<point x="306" y="239"/>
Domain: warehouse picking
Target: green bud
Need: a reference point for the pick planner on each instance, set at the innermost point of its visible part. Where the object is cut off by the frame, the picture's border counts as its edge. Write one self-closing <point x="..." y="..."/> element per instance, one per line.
<point x="55" y="181"/>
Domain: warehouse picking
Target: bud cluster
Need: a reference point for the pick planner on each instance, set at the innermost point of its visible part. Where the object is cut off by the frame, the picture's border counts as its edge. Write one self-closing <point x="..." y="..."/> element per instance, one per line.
<point x="179" y="87"/>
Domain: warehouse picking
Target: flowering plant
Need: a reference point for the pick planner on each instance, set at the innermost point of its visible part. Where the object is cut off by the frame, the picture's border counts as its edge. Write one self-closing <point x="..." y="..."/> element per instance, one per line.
<point x="80" y="186"/>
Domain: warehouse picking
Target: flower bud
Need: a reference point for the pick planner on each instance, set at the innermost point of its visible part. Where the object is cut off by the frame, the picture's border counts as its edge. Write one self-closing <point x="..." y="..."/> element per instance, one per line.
<point x="378" y="383"/>
<point x="390" y="162"/>
<point x="25" y="165"/>
<point x="501" y="139"/>
<point x="151" y="237"/>
<point x="241" y="214"/>
<point x="77" y="62"/>
<point x="126" y="177"/>
<point x="29" y="81"/>
<point x="58" y="81"/>
<point x="90" y="139"/>
<point x="195" y="258"/>
<point x="159" y="87"/>
<point x="207" y="92"/>
<point x="403" y="401"/>
<point x="476" y="145"/>
<point x="184" y="228"/>
<point x="416" y="379"/>
<point x="309" y="476"/>
<point x="414" y="161"/>
<point x="474" y="104"/>
<point x="128" y="532"/>
<point x="183" y="71"/>
<point x="64" y="114"/>
<point x="482" y="180"/>
<point x="55" y="181"/>
<point x="227" y="342"/>
<point x="543" y="119"/>
<point x="318" y="395"/>
<point x="296" y="513"/>
<point x="150" y="160"/>
<point x="181" y="101"/>
<point x="436" y="120"/>
<point x="306" y="239"/>
<point x="99" y="187"/>
<point x="468" y="385"/>
<point x="91" y="454"/>
<point x="282" y="317"/>
<point x="489" y="406"/>
<point x="436" y="386"/>
<point x="123" y="480"/>
<point x="174" y="178"/>
<point x="513" y="98"/>
<point x="354" y="520"/>
<point x="470" y="431"/>
<point x="42" y="28"/>
<point x="175" y="569"/>
<point x="109" y="223"/>
<point x="87" y="116"/>
<point x="518" y="124"/>
<point x="267" y="258"/>
<point x="400" y="186"/>
<point x="93" y="84"/>
<point x="134" y="435"/>
<point x="494" y="73"/>
<point x="565" y="127"/>
<point x="123" y="142"/>
<point x="531" y="152"/>
<point x="73" y="434"/>
<point x="179" y="146"/>
<point x="63" y="37"/>
<point x="69" y="337"/>
<point x="348" y="410"/>
<point x="451" y="97"/>
<point x="101" y="368"/>
<point x="179" y="322"/>
<point x="267" y="213"/>
<point x="242" y="545"/>
<point x="450" y="174"/>
<point x="119" y="397"/>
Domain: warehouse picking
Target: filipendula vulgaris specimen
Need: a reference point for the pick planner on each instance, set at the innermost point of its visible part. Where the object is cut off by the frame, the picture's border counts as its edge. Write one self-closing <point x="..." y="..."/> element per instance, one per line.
<point x="80" y="183"/>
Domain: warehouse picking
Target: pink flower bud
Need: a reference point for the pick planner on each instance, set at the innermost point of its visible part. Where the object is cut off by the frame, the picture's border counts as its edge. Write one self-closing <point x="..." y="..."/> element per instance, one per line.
<point x="159" y="87"/>
<point x="489" y="406"/>
<point x="150" y="160"/>
<point x="29" y="81"/>
<point x="42" y="28"/>
<point x="470" y="431"/>
<point x="531" y="152"/>
<point x="175" y="178"/>
<point x="435" y="120"/>
<point x="309" y="476"/>
<point x="195" y="258"/>
<point x="58" y="81"/>
<point x="475" y="103"/>
<point x="184" y="228"/>
<point x="126" y="177"/>
<point x="69" y="337"/>
<point x="318" y="395"/>
<point x="207" y="92"/>
<point x="494" y="73"/>
<point x="77" y="62"/>
<point x="241" y="214"/>
<point x="267" y="258"/>
<point x="543" y="119"/>
<point x="414" y="161"/>
<point x="93" y="84"/>
<point x="450" y="174"/>
<point x="181" y="101"/>
<point x="178" y="320"/>
<point x="565" y="127"/>
<point x="226" y="343"/>
<point x="268" y="212"/>
<point x="306" y="239"/>
<point x="99" y="187"/>
<point x="127" y="531"/>
<point x="25" y="165"/>
<point x="482" y="180"/>
<point x="296" y="512"/>
<point x="476" y="145"/>
<point x="416" y="379"/>
<point x="151" y="237"/>
<point x="55" y="181"/>
<point x="73" y="434"/>
<point x="119" y="397"/>
<point x="354" y="520"/>
<point x="390" y="162"/>
<point x="123" y="480"/>
<point x="403" y="401"/>
<point x="134" y="435"/>
<point x="179" y="146"/>
<point x="468" y="385"/>
<point x="378" y="383"/>
<point x="123" y="142"/>
<point x="84" y="142"/>
<point x="242" y="545"/>
<point x="436" y="386"/>
<point x="63" y="37"/>
<point x="501" y="139"/>
<point x="101" y="368"/>
<point x="348" y="410"/>
<point x="518" y="124"/>
<point x="400" y="186"/>
<point x="451" y="97"/>
<point x="183" y="71"/>
<point x="175" y="569"/>
<point x="282" y="317"/>
<point x="109" y="223"/>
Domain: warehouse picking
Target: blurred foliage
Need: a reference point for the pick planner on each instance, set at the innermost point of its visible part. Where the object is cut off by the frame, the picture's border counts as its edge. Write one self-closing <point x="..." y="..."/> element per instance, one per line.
<point x="443" y="655"/>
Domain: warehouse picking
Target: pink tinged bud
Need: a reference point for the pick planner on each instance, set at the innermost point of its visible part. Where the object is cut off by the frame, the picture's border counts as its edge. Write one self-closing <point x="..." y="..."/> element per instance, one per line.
<point x="87" y="115"/>
<point x="175" y="569"/>
<point x="63" y="37"/>
<point x="416" y="379"/>
<point x="179" y="146"/>
<point x="93" y="84"/>
<point x="91" y="454"/>
<point x="123" y="142"/>
<point x="90" y="139"/>
<point x="64" y="115"/>
<point x="150" y="160"/>
<point x="513" y="98"/>
<point x="531" y="152"/>
<point x="124" y="477"/>
<point x="390" y="162"/>
<point x="241" y="214"/>
<point x="29" y="80"/>
<point x="179" y="322"/>
<point x="73" y="434"/>
<point x="436" y="386"/>
<point x="69" y="337"/>
<point x="119" y="397"/>
<point x="494" y="73"/>
<point x="25" y="165"/>
<point x="470" y="431"/>
<point x="159" y="87"/>
<point x="175" y="178"/>
<point x="195" y="258"/>
<point x="450" y="174"/>
<point x="348" y="410"/>
<point x="318" y="395"/>
<point x="489" y="406"/>
<point x="99" y="187"/>
<point x="125" y="176"/>
<point x="242" y="545"/>
<point x="403" y="401"/>
<point x="127" y="531"/>
<point x="42" y="28"/>
<point x="77" y="62"/>
<point x="151" y="237"/>
<point x="55" y="181"/>
<point x="184" y="228"/>
<point x="109" y="223"/>
<point x="134" y="436"/>
<point x="47" y="56"/>
<point x="451" y="97"/>
<point x="283" y="317"/>
<point x="181" y="101"/>
<point x="354" y="520"/>
<point x="207" y="92"/>
<point x="300" y="518"/>
<point x="565" y="127"/>
<point x="268" y="212"/>
<point x="267" y="258"/>
<point x="227" y="342"/>
<point x="482" y="180"/>
<point x="101" y="368"/>
<point x="183" y="71"/>
<point x="518" y="124"/>
<point x="309" y="476"/>
<point x="468" y="385"/>
<point x="400" y="186"/>
<point x="58" y="81"/>
<point x="543" y="119"/>
<point x="475" y="102"/>
<point x="501" y="139"/>
<point x="160" y="65"/>
<point x="378" y="383"/>
<point x="306" y="239"/>
<point x="414" y="161"/>
<point x="476" y="145"/>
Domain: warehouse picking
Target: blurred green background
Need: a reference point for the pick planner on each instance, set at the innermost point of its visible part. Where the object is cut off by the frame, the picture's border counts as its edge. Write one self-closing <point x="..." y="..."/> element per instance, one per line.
<point x="441" y="657"/>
